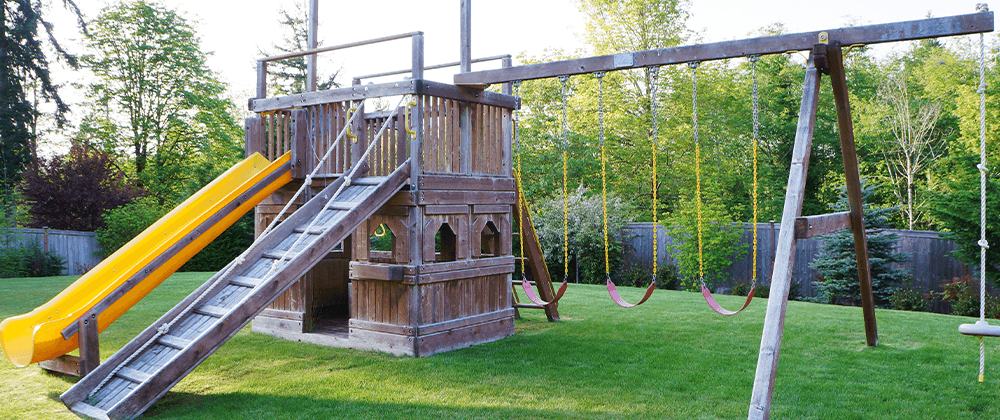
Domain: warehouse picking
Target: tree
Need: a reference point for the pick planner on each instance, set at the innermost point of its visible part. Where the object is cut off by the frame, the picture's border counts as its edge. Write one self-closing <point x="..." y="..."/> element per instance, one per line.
<point x="915" y="146"/>
<point x="23" y="61"/>
<point x="838" y="263"/>
<point x="156" y="105"/>
<point x="73" y="191"/>
<point x="289" y="76"/>
<point x="720" y="239"/>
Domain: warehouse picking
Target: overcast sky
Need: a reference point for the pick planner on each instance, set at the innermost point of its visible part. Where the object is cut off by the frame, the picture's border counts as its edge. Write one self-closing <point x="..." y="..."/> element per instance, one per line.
<point x="236" y="30"/>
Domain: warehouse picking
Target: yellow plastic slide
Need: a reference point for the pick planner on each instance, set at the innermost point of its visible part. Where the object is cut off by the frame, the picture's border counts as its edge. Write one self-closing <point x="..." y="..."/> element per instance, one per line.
<point x="36" y="336"/>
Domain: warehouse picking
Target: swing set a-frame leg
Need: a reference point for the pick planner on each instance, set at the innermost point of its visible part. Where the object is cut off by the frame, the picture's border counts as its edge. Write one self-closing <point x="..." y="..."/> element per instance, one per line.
<point x="781" y="277"/>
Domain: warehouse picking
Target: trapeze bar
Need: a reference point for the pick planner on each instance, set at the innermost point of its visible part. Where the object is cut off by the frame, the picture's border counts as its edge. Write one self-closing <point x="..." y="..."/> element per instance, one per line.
<point x="980" y="329"/>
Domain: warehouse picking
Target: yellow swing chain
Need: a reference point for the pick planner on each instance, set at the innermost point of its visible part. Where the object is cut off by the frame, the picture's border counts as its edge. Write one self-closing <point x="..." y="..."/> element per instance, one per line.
<point x="755" y="148"/>
<point x="654" y="81"/>
<point x="604" y="173"/>
<point x="697" y="167"/>
<point x="565" y="145"/>
<point x="522" y="203"/>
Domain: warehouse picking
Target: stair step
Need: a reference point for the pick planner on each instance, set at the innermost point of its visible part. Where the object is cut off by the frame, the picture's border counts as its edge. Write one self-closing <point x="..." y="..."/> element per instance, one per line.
<point x="174" y="341"/>
<point x="369" y="180"/>
<point x="340" y="205"/>
<point x="213" y="311"/>
<point x="133" y="375"/>
<point x="528" y="306"/>
<point x="277" y="255"/>
<point x="89" y="410"/>
<point x="245" y="281"/>
<point x="313" y="231"/>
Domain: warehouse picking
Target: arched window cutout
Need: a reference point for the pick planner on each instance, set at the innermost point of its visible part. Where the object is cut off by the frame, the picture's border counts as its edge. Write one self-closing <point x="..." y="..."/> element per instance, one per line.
<point x="490" y="240"/>
<point x="381" y="243"/>
<point x="444" y="244"/>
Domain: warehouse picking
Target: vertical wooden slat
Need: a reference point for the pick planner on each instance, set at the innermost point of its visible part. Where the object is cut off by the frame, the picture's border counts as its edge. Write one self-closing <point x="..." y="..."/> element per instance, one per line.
<point x="271" y="135"/>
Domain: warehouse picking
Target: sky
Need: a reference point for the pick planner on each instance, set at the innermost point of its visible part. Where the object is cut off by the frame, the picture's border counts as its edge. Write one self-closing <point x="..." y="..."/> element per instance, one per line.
<point x="235" y="31"/>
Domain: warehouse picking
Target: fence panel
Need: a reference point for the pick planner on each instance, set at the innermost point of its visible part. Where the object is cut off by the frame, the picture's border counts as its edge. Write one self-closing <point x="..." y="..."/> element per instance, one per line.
<point x="78" y="248"/>
<point x="930" y="261"/>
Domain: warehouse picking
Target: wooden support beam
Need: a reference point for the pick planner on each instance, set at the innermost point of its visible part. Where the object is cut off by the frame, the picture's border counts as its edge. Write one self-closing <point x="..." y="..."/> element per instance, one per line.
<point x="90" y="349"/>
<point x="359" y="92"/>
<point x="852" y="174"/>
<point x="784" y="260"/>
<point x="869" y="34"/>
<point x="809" y="226"/>
<point x="534" y="266"/>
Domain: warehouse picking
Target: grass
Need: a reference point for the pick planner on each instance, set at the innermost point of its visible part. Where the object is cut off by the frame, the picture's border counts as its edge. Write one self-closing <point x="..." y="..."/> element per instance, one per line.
<point x="671" y="358"/>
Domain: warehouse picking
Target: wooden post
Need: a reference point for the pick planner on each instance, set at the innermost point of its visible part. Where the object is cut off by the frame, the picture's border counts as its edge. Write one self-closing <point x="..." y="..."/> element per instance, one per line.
<point x="312" y="42"/>
<point x="465" y="43"/>
<point x="254" y="141"/>
<point x="508" y="126"/>
<point x="90" y="350"/>
<point x="261" y="79"/>
<point x="465" y="66"/>
<point x="781" y="278"/>
<point x="845" y="127"/>
<point x="301" y="158"/>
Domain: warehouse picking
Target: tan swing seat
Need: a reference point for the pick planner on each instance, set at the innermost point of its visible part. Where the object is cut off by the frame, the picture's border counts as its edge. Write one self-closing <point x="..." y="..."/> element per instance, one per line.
<point x="980" y="329"/>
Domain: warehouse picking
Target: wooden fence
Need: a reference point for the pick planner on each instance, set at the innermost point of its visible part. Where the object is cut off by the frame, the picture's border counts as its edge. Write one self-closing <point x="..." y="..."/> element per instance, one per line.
<point x="929" y="261"/>
<point x="78" y="248"/>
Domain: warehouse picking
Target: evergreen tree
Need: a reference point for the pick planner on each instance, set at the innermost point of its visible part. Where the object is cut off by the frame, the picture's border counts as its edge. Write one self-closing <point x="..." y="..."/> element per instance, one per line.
<point x="23" y="63"/>
<point x="289" y="76"/>
<point x="838" y="263"/>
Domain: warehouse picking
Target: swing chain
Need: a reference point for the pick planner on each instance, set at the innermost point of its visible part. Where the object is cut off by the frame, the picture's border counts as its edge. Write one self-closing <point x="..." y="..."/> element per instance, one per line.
<point x="654" y="76"/>
<point x="565" y="144"/>
<point x="521" y="202"/>
<point x="756" y="147"/>
<point x="697" y="167"/>
<point x="604" y="178"/>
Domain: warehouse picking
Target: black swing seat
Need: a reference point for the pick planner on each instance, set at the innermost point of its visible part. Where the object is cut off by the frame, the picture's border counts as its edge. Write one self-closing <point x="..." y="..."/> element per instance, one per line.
<point x="980" y="329"/>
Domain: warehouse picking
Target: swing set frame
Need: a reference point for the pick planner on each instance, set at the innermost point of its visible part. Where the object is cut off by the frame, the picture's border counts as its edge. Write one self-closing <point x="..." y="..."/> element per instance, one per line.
<point x="826" y="50"/>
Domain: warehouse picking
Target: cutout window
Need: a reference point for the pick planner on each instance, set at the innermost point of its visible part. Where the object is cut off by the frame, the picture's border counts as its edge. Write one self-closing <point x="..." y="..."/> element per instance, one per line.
<point x="445" y="242"/>
<point x="490" y="240"/>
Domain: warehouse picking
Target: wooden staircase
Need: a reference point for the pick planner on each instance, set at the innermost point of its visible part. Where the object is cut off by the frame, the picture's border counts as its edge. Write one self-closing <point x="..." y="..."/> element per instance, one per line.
<point x="152" y="363"/>
<point x="532" y="265"/>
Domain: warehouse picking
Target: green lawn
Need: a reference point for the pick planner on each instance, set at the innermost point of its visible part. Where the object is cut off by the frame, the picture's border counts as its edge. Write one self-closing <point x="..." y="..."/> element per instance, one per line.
<point x="670" y="358"/>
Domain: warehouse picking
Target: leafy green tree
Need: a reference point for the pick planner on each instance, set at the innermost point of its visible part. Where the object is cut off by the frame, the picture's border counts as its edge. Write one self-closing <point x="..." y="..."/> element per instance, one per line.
<point x="720" y="238"/>
<point x="838" y="263"/>
<point x="289" y="76"/>
<point x="156" y="105"/>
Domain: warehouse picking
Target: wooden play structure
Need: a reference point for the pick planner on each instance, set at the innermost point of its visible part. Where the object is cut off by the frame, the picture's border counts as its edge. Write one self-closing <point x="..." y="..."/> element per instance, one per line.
<point x="395" y="232"/>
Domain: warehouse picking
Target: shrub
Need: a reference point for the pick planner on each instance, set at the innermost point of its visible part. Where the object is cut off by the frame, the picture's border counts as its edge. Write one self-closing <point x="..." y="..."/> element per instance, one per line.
<point x="125" y="222"/>
<point x="233" y="241"/>
<point x="73" y="191"/>
<point x="907" y="299"/>
<point x="586" y="234"/>
<point x="30" y="261"/>
<point x="962" y="293"/>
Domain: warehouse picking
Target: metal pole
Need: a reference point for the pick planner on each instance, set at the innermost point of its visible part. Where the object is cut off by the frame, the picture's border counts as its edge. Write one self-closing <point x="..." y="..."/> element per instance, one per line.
<point x="312" y="41"/>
